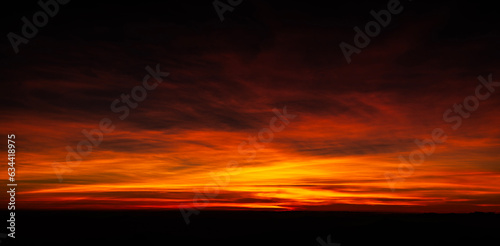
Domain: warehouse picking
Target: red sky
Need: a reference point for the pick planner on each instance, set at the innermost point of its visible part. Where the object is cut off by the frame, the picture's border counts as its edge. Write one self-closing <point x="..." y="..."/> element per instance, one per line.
<point x="352" y="120"/>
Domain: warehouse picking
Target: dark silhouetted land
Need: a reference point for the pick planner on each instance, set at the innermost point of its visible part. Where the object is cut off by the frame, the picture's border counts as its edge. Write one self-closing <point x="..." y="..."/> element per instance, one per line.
<point x="252" y="228"/>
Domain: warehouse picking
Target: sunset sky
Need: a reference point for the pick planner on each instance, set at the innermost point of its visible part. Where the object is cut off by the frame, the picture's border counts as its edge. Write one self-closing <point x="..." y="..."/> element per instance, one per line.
<point x="352" y="120"/>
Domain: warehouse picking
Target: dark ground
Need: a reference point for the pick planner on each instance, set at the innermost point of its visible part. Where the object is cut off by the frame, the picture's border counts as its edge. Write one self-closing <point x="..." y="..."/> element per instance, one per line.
<point x="252" y="228"/>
